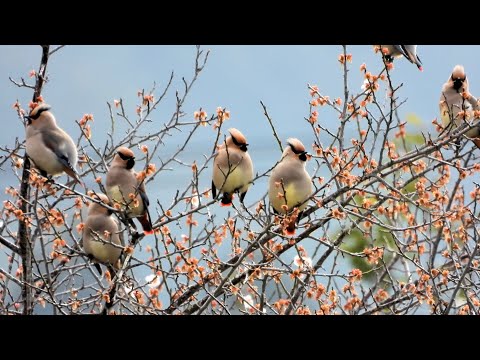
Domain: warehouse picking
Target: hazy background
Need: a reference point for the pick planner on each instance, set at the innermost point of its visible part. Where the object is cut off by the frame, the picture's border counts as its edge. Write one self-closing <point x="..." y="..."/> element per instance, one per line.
<point x="83" y="78"/>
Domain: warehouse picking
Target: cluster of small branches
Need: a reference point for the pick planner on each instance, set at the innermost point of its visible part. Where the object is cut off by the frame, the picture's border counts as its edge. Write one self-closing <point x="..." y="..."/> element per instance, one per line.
<point x="391" y="226"/>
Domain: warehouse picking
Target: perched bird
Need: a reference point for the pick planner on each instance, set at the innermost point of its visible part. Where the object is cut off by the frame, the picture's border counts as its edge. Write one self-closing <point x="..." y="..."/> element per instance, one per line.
<point x="457" y="104"/>
<point x="101" y="230"/>
<point x="408" y="51"/>
<point x="125" y="189"/>
<point x="290" y="185"/>
<point x="232" y="168"/>
<point x="50" y="148"/>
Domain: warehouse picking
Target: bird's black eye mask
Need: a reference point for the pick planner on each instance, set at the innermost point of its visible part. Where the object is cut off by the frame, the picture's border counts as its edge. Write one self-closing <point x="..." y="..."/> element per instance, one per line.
<point x="242" y="147"/>
<point x="457" y="82"/>
<point x="129" y="159"/>
<point x="29" y="118"/>
<point x="302" y="155"/>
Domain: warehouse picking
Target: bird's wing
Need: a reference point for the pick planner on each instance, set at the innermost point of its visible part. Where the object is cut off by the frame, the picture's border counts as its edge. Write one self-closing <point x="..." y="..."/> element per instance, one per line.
<point x="146" y="202"/>
<point x="474" y="102"/>
<point x="58" y="145"/>
<point x="401" y="50"/>
<point x="409" y="52"/>
<point x="143" y="194"/>
<point x="120" y="233"/>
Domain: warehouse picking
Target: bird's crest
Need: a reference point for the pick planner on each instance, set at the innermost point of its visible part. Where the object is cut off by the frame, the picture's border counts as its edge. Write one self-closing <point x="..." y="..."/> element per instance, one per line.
<point x="296" y="145"/>
<point x="36" y="112"/>
<point x="125" y="153"/>
<point x="237" y="136"/>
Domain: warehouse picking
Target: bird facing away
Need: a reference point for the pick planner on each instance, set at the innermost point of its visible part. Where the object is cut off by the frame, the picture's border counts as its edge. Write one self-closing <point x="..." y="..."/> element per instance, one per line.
<point x="457" y="104"/>
<point x="290" y="185"/>
<point x="125" y="189"/>
<point x="100" y="232"/>
<point x="50" y="148"/>
<point x="396" y="51"/>
<point x="232" y="168"/>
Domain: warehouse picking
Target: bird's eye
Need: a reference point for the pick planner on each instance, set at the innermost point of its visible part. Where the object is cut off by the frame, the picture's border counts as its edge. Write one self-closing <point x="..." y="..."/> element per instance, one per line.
<point x="303" y="156"/>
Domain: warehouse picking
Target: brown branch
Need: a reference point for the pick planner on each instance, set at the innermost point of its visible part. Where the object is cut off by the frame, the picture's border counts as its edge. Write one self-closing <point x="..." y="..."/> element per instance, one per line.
<point x="23" y="231"/>
<point x="9" y="245"/>
<point x="265" y="112"/>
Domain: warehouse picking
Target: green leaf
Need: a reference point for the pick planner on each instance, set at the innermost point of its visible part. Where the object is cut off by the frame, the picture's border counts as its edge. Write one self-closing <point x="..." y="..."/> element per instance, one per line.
<point x="355" y="242"/>
<point x="384" y="237"/>
<point x="410" y="187"/>
<point x="414" y="139"/>
<point x="414" y="119"/>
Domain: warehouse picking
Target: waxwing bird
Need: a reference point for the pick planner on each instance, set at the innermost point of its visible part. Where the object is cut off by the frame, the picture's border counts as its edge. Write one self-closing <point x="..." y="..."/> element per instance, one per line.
<point x="290" y="186"/>
<point x="232" y="168"/>
<point x="50" y="148"/>
<point x="457" y="104"/>
<point x="408" y="51"/>
<point x="125" y="189"/>
<point x="101" y="230"/>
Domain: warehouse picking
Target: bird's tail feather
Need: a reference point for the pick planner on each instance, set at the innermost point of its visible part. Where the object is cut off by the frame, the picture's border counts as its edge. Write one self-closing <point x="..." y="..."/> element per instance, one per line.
<point x="146" y="223"/>
<point x="226" y="199"/>
<point x="290" y="229"/>
<point x="73" y="174"/>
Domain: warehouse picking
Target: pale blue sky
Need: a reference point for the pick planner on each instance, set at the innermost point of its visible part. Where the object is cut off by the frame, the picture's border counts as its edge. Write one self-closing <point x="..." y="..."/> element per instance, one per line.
<point x="83" y="78"/>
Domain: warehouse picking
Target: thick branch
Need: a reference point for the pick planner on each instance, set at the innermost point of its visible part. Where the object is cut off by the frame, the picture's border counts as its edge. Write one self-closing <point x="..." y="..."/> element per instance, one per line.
<point x="26" y="248"/>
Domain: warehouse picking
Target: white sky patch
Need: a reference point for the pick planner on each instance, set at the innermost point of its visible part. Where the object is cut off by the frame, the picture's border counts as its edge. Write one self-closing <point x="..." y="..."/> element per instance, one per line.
<point x="248" y="303"/>
<point x="153" y="280"/>
<point x="129" y="290"/>
<point x="304" y="262"/>
<point x="195" y="201"/>
<point x="366" y="85"/>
